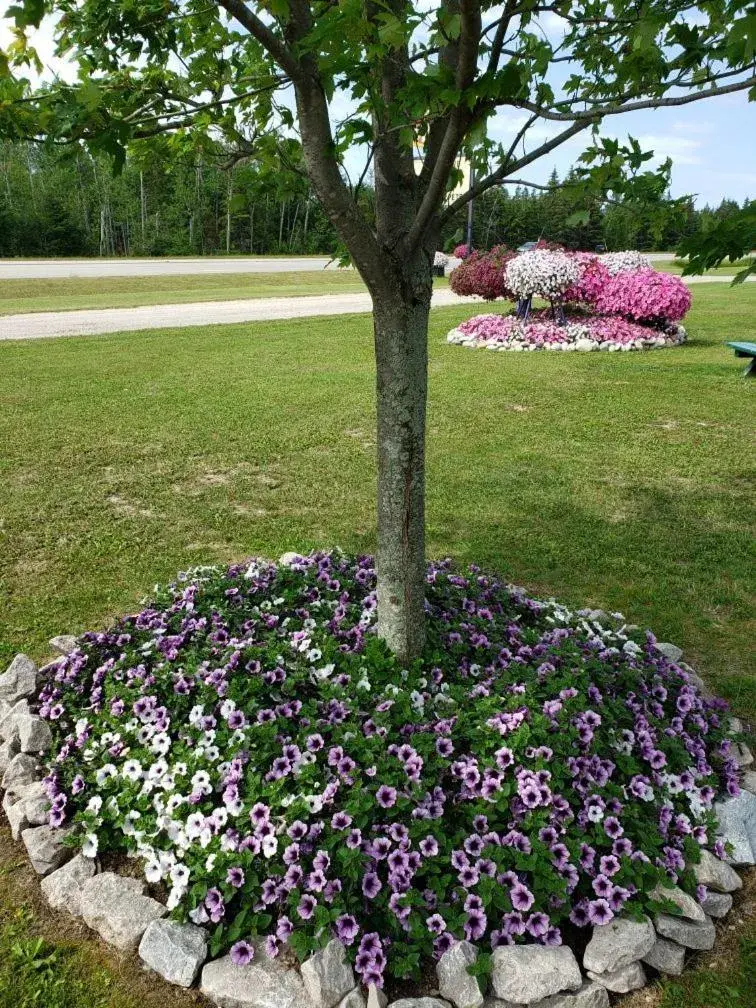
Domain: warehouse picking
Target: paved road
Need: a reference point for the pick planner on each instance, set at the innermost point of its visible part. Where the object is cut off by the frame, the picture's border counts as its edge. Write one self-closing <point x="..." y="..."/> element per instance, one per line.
<point x="50" y="269"/>
<point x="91" y="321"/>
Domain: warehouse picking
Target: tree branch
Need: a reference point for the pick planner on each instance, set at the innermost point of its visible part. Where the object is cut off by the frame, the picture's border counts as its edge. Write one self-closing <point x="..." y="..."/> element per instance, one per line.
<point x="459" y="122"/>
<point x="264" y="35"/>
<point x="599" y="111"/>
<point x="500" y="175"/>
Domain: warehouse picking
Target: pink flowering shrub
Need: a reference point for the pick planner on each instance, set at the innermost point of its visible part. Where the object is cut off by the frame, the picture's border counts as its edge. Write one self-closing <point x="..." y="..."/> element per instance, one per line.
<point x="462" y="251"/>
<point x="645" y="296"/>
<point x="251" y="742"/>
<point x="483" y="274"/>
<point x="594" y="276"/>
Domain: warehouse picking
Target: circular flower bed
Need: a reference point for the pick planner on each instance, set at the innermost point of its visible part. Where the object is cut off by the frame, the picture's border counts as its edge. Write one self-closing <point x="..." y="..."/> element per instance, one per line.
<point x="251" y="740"/>
<point x="581" y="332"/>
<point x="617" y="301"/>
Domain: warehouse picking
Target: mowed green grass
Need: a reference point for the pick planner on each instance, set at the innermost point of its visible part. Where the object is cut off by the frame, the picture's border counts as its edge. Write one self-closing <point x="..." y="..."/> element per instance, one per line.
<point x="21" y="296"/>
<point x="677" y="265"/>
<point x="616" y="480"/>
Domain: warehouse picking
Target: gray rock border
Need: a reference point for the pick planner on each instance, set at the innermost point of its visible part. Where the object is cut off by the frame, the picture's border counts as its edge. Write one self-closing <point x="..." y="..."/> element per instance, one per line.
<point x="116" y="908"/>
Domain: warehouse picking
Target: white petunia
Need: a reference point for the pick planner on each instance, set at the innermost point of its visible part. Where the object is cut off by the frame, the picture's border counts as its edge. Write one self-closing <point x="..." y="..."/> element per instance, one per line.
<point x="174" y="898"/>
<point x="160" y="744"/>
<point x="132" y="769"/>
<point x="179" y="875"/>
<point x="90" y="845"/>
<point x="269" y="846"/>
<point x="194" y="825"/>
<point x="199" y="915"/>
<point x="153" y="872"/>
<point x="105" y="773"/>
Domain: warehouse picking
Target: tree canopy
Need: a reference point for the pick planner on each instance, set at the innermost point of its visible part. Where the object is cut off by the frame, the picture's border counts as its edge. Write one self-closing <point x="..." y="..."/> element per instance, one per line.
<point x="386" y="74"/>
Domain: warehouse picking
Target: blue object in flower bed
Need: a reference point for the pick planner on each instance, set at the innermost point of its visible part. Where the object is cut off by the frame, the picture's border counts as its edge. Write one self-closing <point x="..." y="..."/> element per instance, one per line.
<point x="253" y="742"/>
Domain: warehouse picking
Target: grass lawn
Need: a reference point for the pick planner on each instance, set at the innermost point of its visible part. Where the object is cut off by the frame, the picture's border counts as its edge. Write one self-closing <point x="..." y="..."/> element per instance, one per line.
<point x="677" y="265"/>
<point x="127" y="292"/>
<point x="617" y="480"/>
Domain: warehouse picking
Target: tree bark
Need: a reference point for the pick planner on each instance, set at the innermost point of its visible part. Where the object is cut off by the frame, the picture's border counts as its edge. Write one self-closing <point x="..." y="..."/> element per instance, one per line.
<point x="400" y="325"/>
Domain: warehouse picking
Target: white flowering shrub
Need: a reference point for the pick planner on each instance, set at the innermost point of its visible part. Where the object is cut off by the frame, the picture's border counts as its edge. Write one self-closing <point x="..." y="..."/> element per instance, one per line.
<point x="440" y="259"/>
<point x="542" y="273"/>
<point x="623" y="262"/>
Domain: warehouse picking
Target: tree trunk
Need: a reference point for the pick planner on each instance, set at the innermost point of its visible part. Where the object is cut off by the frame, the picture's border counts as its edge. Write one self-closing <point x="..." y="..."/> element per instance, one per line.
<point x="401" y="350"/>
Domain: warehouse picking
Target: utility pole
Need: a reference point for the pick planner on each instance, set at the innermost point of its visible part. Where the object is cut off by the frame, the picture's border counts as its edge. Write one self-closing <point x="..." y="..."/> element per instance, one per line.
<point x="469" y="235"/>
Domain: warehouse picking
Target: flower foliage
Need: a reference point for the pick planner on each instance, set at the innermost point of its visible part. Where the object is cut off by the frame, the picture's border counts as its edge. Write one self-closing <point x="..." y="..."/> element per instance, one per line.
<point x="440" y="259"/>
<point x="483" y="274"/>
<point x="623" y="262"/>
<point x="581" y="332"/>
<point x="542" y="273"/>
<point x="646" y="296"/>
<point x="592" y="280"/>
<point x="250" y="739"/>
<point x="462" y="251"/>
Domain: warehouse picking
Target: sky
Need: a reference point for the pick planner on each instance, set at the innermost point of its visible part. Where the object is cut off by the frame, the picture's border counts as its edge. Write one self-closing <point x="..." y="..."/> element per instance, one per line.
<point x="712" y="143"/>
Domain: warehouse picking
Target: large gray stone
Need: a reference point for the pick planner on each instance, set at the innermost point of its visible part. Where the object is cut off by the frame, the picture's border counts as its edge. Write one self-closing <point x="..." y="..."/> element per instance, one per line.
<point x="686" y="905"/>
<point x="19" y="680"/>
<point x="666" y="956"/>
<point x="22" y="771"/>
<point x="590" y="995"/>
<point x="115" y="908"/>
<point x="528" y="973"/>
<point x="692" y="935"/>
<point x="717" y="904"/>
<point x="742" y="754"/>
<point x="46" y="849"/>
<point x="670" y="651"/>
<point x="715" y="874"/>
<point x="9" y="719"/>
<point x="737" y="827"/>
<point x="7" y="751"/>
<point x="354" y="999"/>
<point x="628" y="978"/>
<point x="454" y="982"/>
<point x="64" y="644"/>
<point x="175" y="951"/>
<point x="421" y="1002"/>
<point x="62" y="888"/>
<point x="28" y="808"/>
<point x="34" y="735"/>
<point x="618" y="944"/>
<point x="252" y="986"/>
<point x="328" y="975"/>
<point x="376" y="998"/>
<point x="749" y="781"/>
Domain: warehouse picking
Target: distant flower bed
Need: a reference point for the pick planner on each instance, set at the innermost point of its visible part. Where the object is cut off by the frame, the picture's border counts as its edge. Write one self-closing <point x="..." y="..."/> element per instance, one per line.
<point x="252" y="742"/>
<point x="581" y="332"/>
<point x="610" y="302"/>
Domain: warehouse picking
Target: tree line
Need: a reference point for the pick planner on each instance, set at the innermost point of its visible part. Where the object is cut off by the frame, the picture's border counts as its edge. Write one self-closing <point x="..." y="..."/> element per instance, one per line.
<point x="170" y="202"/>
